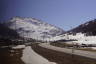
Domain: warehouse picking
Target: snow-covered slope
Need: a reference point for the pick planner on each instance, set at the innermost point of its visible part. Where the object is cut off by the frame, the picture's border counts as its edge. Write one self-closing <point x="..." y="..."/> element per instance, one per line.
<point x="84" y="33"/>
<point x="81" y="38"/>
<point x="33" y="28"/>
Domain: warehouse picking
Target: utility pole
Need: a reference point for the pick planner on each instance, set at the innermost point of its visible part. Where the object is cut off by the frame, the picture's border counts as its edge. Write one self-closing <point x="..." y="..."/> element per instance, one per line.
<point x="23" y="36"/>
<point x="73" y="50"/>
<point x="37" y="39"/>
<point x="43" y="39"/>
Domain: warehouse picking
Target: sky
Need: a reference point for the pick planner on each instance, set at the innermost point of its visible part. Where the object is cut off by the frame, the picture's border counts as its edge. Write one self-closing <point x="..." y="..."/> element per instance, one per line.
<point x="65" y="14"/>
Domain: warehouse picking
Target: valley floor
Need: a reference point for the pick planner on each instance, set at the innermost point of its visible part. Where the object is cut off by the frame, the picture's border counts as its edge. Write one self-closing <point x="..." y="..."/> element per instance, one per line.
<point x="21" y="54"/>
<point x="88" y="54"/>
<point x="61" y="57"/>
<point x="36" y="54"/>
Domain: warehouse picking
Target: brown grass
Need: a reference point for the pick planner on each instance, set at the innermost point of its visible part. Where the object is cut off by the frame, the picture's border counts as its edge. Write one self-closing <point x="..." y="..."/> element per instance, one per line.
<point x="64" y="45"/>
<point x="61" y="44"/>
<point x="8" y="57"/>
<point x="87" y="49"/>
<point x="62" y="58"/>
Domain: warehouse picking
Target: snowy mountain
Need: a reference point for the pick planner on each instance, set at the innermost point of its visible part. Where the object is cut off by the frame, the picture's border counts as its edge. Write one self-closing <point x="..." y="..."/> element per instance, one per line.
<point x="33" y="28"/>
<point x="89" y="28"/>
<point x="84" y="33"/>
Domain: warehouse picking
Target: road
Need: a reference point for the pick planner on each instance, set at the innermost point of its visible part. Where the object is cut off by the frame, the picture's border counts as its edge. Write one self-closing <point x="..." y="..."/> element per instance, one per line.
<point x="88" y="54"/>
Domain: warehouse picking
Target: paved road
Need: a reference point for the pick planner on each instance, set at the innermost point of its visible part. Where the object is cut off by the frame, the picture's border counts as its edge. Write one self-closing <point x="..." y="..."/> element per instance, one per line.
<point x="76" y="52"/>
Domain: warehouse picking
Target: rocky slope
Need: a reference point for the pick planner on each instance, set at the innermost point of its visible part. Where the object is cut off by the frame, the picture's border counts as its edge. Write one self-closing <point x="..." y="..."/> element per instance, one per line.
<point x="89" y="28"/>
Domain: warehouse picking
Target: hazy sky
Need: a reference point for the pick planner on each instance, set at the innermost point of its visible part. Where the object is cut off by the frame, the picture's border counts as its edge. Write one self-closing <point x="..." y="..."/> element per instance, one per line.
<point x="62" y="13"/>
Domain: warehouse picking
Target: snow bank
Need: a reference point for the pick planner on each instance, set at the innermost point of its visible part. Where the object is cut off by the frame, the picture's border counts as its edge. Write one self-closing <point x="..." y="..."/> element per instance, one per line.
<point x="85" y="42"/>
<point x="93" y="48"/>
<point x="81" y="38"/>
<point x="31" y="57"/>
<point x="19" y="47"/>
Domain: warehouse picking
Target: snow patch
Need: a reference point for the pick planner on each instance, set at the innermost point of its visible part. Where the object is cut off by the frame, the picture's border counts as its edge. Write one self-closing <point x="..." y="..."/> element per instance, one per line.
<point x="82" y="39"/>
<point x="94" y="48"/>
<point x="19" y="47"/>
<point x="31" y="57"/>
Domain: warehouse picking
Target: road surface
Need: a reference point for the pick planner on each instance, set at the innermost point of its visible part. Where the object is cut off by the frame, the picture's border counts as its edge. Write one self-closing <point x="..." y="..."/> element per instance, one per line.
<point x="88" y="54"/>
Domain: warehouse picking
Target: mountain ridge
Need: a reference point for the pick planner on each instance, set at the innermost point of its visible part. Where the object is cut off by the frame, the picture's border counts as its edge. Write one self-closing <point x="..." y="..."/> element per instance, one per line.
<point x="88" y="27"/>
<point x="33" y="28"/>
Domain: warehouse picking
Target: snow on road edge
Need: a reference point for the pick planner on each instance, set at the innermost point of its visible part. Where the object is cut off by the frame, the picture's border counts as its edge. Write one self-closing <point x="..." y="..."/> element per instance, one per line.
<point x="31" y="57"/>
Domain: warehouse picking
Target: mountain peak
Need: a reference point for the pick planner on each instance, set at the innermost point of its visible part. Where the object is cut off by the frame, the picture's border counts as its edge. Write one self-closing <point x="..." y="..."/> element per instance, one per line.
<point x="33" y="28"/>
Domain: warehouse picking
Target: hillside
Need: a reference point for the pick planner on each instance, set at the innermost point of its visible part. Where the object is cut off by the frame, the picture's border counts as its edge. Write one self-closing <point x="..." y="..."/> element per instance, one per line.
<point x="33" y="28"/>
<point x="89" y="28"/>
